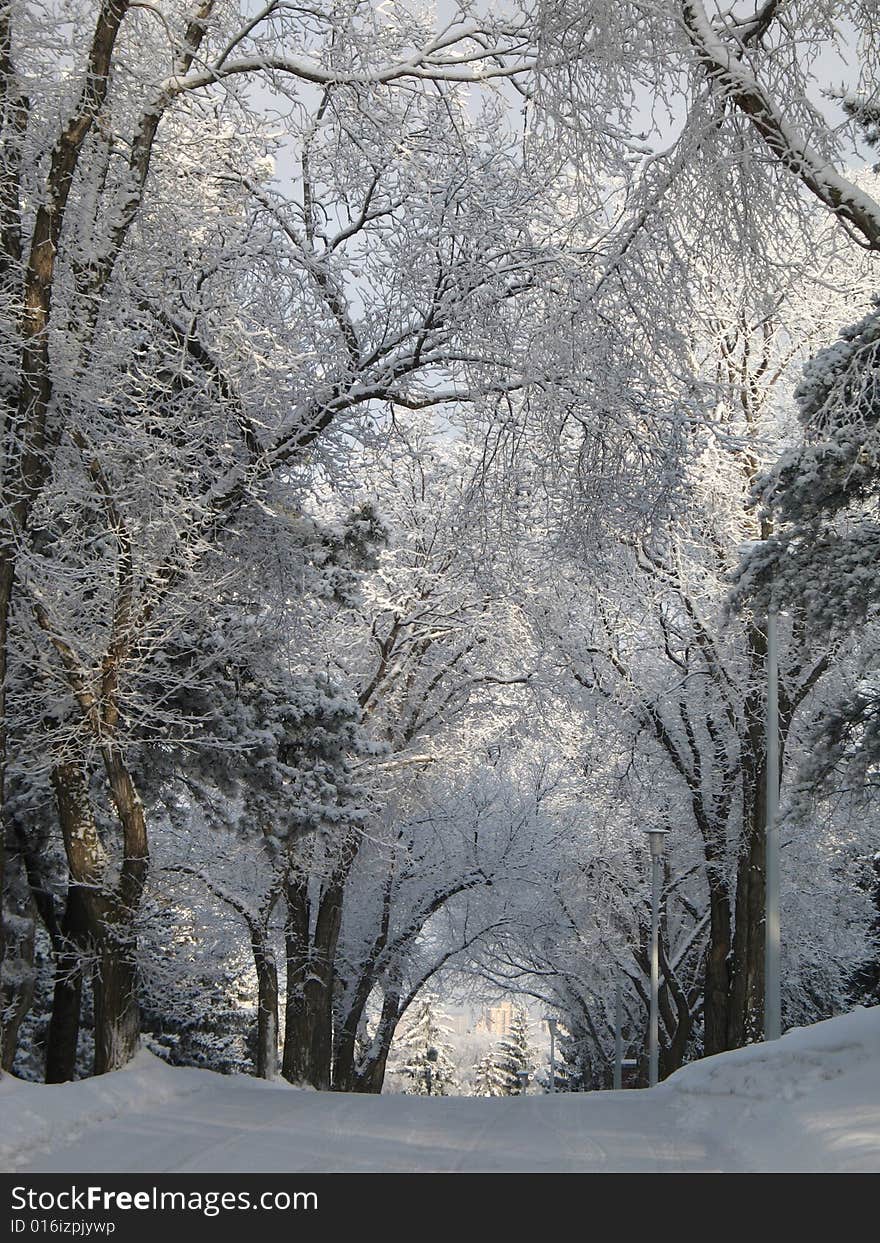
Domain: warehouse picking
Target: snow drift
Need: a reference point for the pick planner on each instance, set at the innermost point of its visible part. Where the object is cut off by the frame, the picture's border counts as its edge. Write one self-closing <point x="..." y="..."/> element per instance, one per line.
<point x="810" y="1102"/>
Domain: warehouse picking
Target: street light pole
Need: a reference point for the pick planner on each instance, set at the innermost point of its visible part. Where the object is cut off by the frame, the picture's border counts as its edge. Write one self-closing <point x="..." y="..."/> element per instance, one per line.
<point x="618" y="1038"/>
<point x="772" y="984"/>
<point x="656" y="842"/>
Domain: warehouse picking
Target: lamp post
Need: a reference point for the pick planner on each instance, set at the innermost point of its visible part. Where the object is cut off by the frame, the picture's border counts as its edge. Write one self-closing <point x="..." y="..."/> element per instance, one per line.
<point x="772" y="986"/>
<point x="552" y="1024"/>
<point x="656" y="841"/>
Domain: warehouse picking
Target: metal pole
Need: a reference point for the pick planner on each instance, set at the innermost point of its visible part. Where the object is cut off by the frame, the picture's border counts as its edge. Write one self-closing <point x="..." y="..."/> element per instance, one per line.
<point x="618" y="1039"/>
<point x="654" y="1027"/>
<point x="552" y="1027"/>
<point x="772" y="983"/>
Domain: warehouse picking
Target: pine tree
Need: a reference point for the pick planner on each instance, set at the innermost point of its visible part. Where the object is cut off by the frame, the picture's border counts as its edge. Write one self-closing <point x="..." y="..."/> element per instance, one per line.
<point x="571" y="1056"/>
<point x="425" y="1057"/>
<point x="499" y="1072"/>
<point x="821" y="559"/>
<point x="572" y="1065"/>
<point x="488" y="1079"/>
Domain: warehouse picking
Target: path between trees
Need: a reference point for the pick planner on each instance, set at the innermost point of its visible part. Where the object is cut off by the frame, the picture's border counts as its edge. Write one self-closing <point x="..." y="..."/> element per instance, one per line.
<point x="808" y="1102"/>
<point x="236" y="1127"/>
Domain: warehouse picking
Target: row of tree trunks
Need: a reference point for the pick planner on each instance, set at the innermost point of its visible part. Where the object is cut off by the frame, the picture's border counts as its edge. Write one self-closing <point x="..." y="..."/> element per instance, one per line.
<point x="27" y="452"/>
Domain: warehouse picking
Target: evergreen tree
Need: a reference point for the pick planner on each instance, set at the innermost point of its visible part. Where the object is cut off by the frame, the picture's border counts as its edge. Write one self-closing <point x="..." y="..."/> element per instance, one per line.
<point x="571" y="1054"/>
<point x="425" y="1056"/>
<point x="499" y="1072"/>
<point x="488" y="1080"/>
<point x="820" y="500"/>
<point x="572" y="1061"/>
<point x="821" y="558"/>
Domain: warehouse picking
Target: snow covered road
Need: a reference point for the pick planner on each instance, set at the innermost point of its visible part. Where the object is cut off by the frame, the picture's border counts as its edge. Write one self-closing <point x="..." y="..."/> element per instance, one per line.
<point x="809" y="1102"/>
<point x="239" y="1128"/>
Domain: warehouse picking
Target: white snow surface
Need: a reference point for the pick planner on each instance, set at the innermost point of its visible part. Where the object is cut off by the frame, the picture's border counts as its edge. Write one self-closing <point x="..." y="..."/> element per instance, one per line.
<point x="809" y="1102"/>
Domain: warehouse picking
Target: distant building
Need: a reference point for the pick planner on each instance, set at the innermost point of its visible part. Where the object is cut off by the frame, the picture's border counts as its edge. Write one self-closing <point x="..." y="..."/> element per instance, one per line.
<point x="496" y="1020"/>
<point x="458" y="1022"/>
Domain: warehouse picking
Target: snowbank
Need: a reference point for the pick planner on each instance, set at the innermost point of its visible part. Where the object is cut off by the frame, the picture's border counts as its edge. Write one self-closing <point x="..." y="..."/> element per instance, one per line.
<point x="807" y="1102"/>
<point x="36" y="1118"/>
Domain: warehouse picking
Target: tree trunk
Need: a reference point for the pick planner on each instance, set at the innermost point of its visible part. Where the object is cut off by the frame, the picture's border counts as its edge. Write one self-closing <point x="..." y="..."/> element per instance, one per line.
<point x="267" y="1006"/>
<point x="17" y="992"/>
<point x="117" y="1016"/>
<point x="109" y="911"/>
<point x="63" y="1038"/>
<point x="308" y="1038"/>
<point x="67" y="997"/>
<point x="295" y="1063"/>
<point x="346" y="1038"/>
<point x="322" y="976"/>
<point x="319" y="1005"/>
<point x="370" y="1075"/>
<point x="746" y="1017"/>
<point x="717" y="979"/>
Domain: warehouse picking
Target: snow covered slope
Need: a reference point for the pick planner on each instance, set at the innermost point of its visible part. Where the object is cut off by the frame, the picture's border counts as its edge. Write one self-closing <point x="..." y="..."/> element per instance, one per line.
<point x="810" y="1102"/>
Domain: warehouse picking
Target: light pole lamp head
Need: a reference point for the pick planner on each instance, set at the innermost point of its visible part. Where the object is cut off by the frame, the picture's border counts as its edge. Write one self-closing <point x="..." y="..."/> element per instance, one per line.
<point x="552" y="1022"/>
<point x="656" y="841"/>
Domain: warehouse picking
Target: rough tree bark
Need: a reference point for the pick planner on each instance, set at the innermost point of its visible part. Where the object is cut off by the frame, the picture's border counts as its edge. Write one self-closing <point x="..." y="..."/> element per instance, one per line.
<point x="18" y="975"/>
<point x="311" y="971"/>
<point x="70" y="947"/>
<point x="267" y="1005"/>
<point x="108" y="906"/>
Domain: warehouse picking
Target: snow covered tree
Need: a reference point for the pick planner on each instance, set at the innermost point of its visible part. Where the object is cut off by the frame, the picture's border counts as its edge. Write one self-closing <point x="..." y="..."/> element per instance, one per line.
<point x="488" y="1081"/>
<point x="573" y="1070"/>
<point x="135" y="317"/>
<point x="822" y="554"/>
<point x="818" y="561"/>
<point x="508" y="1066"/>
<point x="435" y="651"/>
<point x="18" y="976"/>
<point x="466" y="842"/>
<point x="200" y="351"/>
<point x="422" y="1053"/>
<point x="697" y="703"/>
<point x="157" y="342"/>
